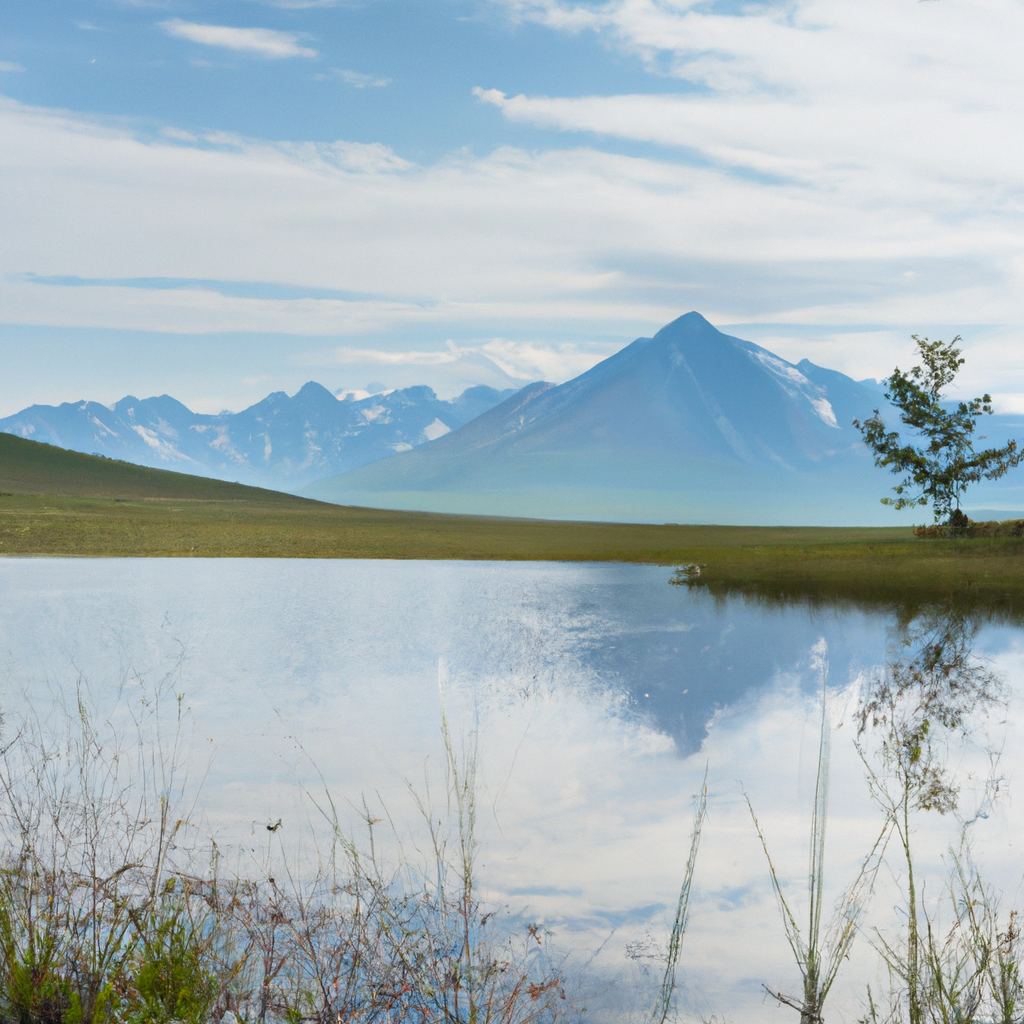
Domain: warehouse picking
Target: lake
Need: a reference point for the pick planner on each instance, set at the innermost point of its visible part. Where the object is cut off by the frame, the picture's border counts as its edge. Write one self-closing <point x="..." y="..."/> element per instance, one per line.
<point x="598" y="696"/>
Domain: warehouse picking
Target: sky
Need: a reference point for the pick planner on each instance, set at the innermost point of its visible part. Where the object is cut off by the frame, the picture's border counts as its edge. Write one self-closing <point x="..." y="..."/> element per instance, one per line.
<point x="221" y="198"/>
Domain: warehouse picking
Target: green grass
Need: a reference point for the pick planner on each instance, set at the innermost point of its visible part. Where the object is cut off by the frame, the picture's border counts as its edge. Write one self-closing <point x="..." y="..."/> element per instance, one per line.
<point x="67" y="525"/>
<point x="55" y="502"/>
<point x="987" y="573"/>
<point x="29" y="467"/>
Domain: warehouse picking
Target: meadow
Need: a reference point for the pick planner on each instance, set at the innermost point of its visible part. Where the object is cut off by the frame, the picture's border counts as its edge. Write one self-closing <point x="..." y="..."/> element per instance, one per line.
<point x="55" y="502"/>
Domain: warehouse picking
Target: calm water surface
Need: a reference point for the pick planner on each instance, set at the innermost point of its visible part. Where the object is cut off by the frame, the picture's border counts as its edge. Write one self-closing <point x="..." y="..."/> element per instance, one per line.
<point x="598" y="694"/>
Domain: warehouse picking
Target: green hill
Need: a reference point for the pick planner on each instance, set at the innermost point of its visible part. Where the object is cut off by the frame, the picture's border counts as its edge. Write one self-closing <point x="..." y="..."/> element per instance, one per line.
<point x="31" y="467"/>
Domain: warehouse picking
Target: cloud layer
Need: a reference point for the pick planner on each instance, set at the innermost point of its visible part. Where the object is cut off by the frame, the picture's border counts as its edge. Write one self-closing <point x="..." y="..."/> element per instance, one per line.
<point x="904" y="111"/>
<point x="567" y="233"/>
<point x="814" y="164"/>
<point x="264" y="42"/>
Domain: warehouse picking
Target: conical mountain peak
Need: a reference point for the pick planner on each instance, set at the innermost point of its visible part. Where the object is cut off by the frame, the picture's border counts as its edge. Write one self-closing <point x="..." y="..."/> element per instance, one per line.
<point x="688" y="324"/>
<point x="690" y="412"/>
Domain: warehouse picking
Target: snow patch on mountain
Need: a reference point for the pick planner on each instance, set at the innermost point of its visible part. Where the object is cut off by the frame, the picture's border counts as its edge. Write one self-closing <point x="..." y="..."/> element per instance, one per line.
<point x="823" y="407"/>
<point x="797" y="385"/>
<point x="432" y="431"/>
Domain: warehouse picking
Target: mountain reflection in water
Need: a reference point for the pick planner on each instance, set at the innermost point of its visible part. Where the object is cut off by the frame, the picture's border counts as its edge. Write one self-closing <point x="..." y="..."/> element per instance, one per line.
<point x="598" y="694"/>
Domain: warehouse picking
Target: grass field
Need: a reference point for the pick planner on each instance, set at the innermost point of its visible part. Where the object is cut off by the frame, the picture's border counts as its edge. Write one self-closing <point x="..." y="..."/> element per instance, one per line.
<point x="55" y="502"/>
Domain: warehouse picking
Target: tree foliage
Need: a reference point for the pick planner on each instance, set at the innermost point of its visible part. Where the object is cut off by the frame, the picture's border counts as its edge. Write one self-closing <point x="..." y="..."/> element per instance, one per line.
<point x="940" y="468"/>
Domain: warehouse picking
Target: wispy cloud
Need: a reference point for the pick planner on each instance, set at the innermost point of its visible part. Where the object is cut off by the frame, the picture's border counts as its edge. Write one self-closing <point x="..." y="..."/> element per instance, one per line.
<point x="8" y="65"/>
<point x="345" y="355"/>
<point x="265" y="42"/>
<point x="178" y="134"/>
<point x="518" y="360"/>
<point x="542" y="360"/>
<point x="354" y="78"/>
<point x="846" y="99"/>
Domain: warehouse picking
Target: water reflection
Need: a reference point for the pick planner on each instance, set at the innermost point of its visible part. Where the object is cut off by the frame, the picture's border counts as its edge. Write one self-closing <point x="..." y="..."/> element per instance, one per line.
<point x="932" y="684"/>
<point x="934" y="691"/>
<point x="598" y="695"/>
<point x="919" y="716"/>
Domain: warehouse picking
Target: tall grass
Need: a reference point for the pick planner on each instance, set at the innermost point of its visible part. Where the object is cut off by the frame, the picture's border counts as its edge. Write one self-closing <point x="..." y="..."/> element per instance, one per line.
<point x="112" y="909"/>
<point x="970" y="971"/>
<point x="666" y="993"/>
<point x="91" y="834"/>
<point x="818" y="957"/>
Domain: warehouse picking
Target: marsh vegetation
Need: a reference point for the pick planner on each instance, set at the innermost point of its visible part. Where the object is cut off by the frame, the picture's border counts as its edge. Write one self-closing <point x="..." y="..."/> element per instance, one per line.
<point x="115" y="907"/>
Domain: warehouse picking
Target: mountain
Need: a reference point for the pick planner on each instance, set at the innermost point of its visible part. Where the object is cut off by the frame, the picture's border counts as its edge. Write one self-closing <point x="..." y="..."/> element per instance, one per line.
<point x="691" y="425"/>
<point x="282" y="442"/>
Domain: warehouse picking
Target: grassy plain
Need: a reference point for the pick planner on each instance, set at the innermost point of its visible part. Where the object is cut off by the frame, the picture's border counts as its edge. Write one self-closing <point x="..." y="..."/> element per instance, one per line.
<point x="55" y="502"/>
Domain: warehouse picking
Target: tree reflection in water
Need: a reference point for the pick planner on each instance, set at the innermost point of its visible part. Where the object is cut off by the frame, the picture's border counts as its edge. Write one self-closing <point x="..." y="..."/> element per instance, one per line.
<point x="934" y="690"/>
<point x="932" y="686"/>
<point x="932" y="699"/>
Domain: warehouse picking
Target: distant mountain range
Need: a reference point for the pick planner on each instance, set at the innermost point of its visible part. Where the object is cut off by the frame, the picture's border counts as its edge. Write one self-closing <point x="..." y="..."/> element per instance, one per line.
<point x="691" y="425"/>
<point x="282" y="442"/>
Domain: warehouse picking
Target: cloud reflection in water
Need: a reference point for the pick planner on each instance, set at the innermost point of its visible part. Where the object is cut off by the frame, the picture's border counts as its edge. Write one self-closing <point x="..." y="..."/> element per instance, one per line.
<point x="586" y="781"/>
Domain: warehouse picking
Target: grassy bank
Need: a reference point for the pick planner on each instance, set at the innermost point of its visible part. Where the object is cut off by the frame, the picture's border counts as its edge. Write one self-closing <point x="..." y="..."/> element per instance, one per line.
<point x="986" y="573"/>
<point x="766" y="562"/>
<point x="63" y="525"/>
<point x="54" y="502"/>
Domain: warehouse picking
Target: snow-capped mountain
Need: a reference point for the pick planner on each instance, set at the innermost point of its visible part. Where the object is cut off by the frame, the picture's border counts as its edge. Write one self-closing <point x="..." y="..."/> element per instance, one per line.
<point x="691" y="425"/>
<point x="281" y="442"/>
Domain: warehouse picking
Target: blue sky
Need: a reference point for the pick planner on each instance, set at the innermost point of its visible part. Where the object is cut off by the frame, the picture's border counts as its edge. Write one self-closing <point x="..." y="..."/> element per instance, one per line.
<point x="221" y="199"/>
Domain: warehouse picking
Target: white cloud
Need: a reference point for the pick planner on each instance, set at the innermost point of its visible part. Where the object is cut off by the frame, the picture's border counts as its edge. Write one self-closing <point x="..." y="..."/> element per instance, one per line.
<point x="539" y="360"/>
<point x="877" y="101"/>
<point x="519" y="361"/>
<point x="345" y="355"/>
<point x="364" y="157"/>
<point x="264" y="42"/>
<point x="361" y="81"/>
<point x="177" y="133"/>
<point x="571" y="243"/>
<point x="1009" y="403"/>
<point x="354" y="78"/>
<point x="8" y="65"/>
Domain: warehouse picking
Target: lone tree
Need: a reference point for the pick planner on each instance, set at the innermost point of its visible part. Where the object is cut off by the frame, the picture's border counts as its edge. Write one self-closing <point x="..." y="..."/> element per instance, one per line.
<point x="939" y="470"/>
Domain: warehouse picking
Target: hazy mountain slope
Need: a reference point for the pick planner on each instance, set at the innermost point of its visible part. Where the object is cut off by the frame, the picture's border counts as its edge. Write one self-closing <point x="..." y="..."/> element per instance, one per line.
<point x="29" y="467"/>
<point x="690" y="425"/>
<point x="283" y="441"/>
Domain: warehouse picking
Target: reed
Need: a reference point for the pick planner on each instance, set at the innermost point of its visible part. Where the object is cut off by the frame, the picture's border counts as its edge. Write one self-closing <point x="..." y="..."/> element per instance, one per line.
<point x="932" y="689"/>
<point x="818" y="957"/>
<point x="666" y="993"/>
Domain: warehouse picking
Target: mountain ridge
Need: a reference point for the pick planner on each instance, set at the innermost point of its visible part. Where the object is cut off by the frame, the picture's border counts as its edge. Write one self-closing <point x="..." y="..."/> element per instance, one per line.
<point x="283" y="442"/>
<point x="690" y="425"/>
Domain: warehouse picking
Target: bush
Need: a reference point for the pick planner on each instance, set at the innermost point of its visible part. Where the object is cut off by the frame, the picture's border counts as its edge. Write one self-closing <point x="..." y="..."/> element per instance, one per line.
<point x="971" y="529"/>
